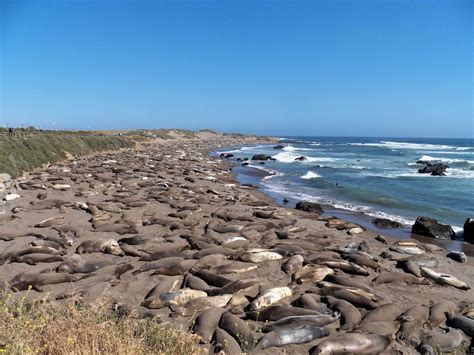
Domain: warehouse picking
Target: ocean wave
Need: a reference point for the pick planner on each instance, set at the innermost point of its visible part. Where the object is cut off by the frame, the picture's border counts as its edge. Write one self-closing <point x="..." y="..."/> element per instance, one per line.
<point x="289" y="157"/>
<point x="290" y="148"/>
<point x="464" y="148"/>
<point x="430" y="159"/>
<point x="310" y="175"/>
<point x="272" y="173"/>
<point x="289" y="192"/>
<point x="404" y="145"/>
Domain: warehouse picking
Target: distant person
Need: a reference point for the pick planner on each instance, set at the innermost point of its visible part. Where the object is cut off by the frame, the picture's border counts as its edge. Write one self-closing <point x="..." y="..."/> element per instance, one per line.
<point x="10" y="132"/>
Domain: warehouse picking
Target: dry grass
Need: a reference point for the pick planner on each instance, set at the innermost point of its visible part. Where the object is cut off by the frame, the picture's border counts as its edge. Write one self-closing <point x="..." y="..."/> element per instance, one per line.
<point x="42" y="327"/>
<point x="19" y="155"/>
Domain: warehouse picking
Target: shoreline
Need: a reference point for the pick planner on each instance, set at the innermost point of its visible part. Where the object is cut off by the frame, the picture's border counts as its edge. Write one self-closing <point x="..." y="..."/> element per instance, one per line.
<point x="166" y="217"/>
<point x="254" y="175"/>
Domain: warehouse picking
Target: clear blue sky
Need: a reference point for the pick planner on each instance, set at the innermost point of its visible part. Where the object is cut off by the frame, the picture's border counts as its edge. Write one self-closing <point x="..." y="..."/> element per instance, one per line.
<point x="335" y="67"/>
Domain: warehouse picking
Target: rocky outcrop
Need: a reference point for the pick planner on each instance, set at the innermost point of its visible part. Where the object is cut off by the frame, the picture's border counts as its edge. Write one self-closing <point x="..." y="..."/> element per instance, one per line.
<point x="226" y="155"/>
<point x="385" y="223"/>
<point x="438" y="169"/>
<point x="262" y="157"/>
<point x="430" y="227"/>
<point x="309" y="207"/>
<point x="469" y="230"/>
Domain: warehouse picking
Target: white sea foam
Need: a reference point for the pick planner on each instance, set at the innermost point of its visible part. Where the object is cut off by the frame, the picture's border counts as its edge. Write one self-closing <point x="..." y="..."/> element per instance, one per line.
<point x="289" y="157"/>
<point x="290" y="148"/>
<point x="405" y="145"/>
<point x="284" y="190"/>
<point x="430" y="159"/>
<point x="310" y="175"/>
<point x="273" y="173"/>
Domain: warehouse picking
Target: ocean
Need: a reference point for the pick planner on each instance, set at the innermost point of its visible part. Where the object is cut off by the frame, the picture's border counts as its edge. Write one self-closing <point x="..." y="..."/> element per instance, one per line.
<point x="374" y="176"/>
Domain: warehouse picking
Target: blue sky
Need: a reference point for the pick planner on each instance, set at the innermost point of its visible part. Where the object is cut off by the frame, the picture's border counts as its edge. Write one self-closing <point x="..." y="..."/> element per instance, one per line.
<point x="351" y="68"/>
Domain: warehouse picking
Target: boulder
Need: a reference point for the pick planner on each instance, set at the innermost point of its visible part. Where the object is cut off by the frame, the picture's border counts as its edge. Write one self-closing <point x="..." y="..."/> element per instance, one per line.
<point x="279" y="146"/>
<point x="430" y="227"/>
<point x="438" y="169"/>
<point x="385" y="223"/>
<point x="261" y="157"/>
<point x="469" y="230"/>
<point x="226" y="155"/>
<point x="309" y="207"/>
<point x="302" y="158"/>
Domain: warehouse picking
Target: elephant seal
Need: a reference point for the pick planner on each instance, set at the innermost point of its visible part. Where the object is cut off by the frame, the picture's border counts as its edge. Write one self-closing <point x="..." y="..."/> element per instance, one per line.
<point x="238" y="328"/>
<point x="50" y="222"/>
<point x="350" y="295"/>
<point x="260" y="256"/>
<point x="443" y="279"/>
<point x="206" y="323"/>
<point x="349" y="281"/>
<point x="350" y="315"/>
<point x="293" y="264"/>
<point x="107" y="246"/>
<point x="225" y="343"/>
<point x="298" y="321"/>
<point x="196" y="283"/>
<point x="200" y="304"/>
<point x="313" y="302"/>
<point x="176" y="298"/>
<point x="75" y="264"/>
<point x="385" y="312"/>
<point x="274" y="313"/>
<point x="411" y="328"/>
<point x="348" y="267"/>
<point x="285" y="336"/>
<point x="436" y="343"/>
<point x="269" y="297"/>
<point x="409" y="266"/>
<point x="464" y="323"/>
<point x="389" y="327"/>
<point x="352" y="343"/>
<point x="23" y="282"/>
<point x="312" y="273"/>
<point x="33" y="259"/>
<point x="438" y="312"/>
<point x="393" y="276"/>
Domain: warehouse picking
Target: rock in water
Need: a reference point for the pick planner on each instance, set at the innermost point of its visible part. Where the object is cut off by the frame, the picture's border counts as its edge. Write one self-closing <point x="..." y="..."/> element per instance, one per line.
<point x="438" y="169"/>
<point x="261" y="157"/>
<point x="430" y="227"/>
<point x="279" y="146"/>
<point x="385" y="223"/>
<point x="469" y="230"/>
<point x="309" y="207"/>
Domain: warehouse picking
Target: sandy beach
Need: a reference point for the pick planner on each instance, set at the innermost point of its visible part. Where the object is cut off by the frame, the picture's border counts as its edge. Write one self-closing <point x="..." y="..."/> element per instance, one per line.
<point x="165" y="231"/>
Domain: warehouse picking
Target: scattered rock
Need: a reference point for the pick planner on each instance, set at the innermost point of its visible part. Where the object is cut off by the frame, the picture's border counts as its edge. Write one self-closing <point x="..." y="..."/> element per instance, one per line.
<point x="279" y="146"/>
<point x="458" y="256"/>
<point x="385" y="223"/>
<point x="302" y="158"/>
<point x="226" y="155"/>
<point x="309" y="207"/>
<point x="438" y="169"/>
<point x="430" y="227"/>
<point x="354" y="231"/>
<point x="381" y="239"/>
<point x="469" y="230"/>
<point x="262" y="157"/>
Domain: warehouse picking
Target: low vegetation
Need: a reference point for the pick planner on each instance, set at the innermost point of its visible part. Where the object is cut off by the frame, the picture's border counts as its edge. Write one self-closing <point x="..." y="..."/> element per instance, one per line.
<point x="41" y="327"/>
<point x="23" y="154"/>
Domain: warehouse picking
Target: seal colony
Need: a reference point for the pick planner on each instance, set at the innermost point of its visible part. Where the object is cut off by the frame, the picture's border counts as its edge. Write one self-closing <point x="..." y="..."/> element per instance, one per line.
<point x="163" y="231"/>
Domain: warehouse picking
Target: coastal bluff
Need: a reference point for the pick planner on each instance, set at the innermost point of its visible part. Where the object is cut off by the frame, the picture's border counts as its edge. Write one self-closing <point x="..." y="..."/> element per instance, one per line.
<point x="161" y="231"/>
